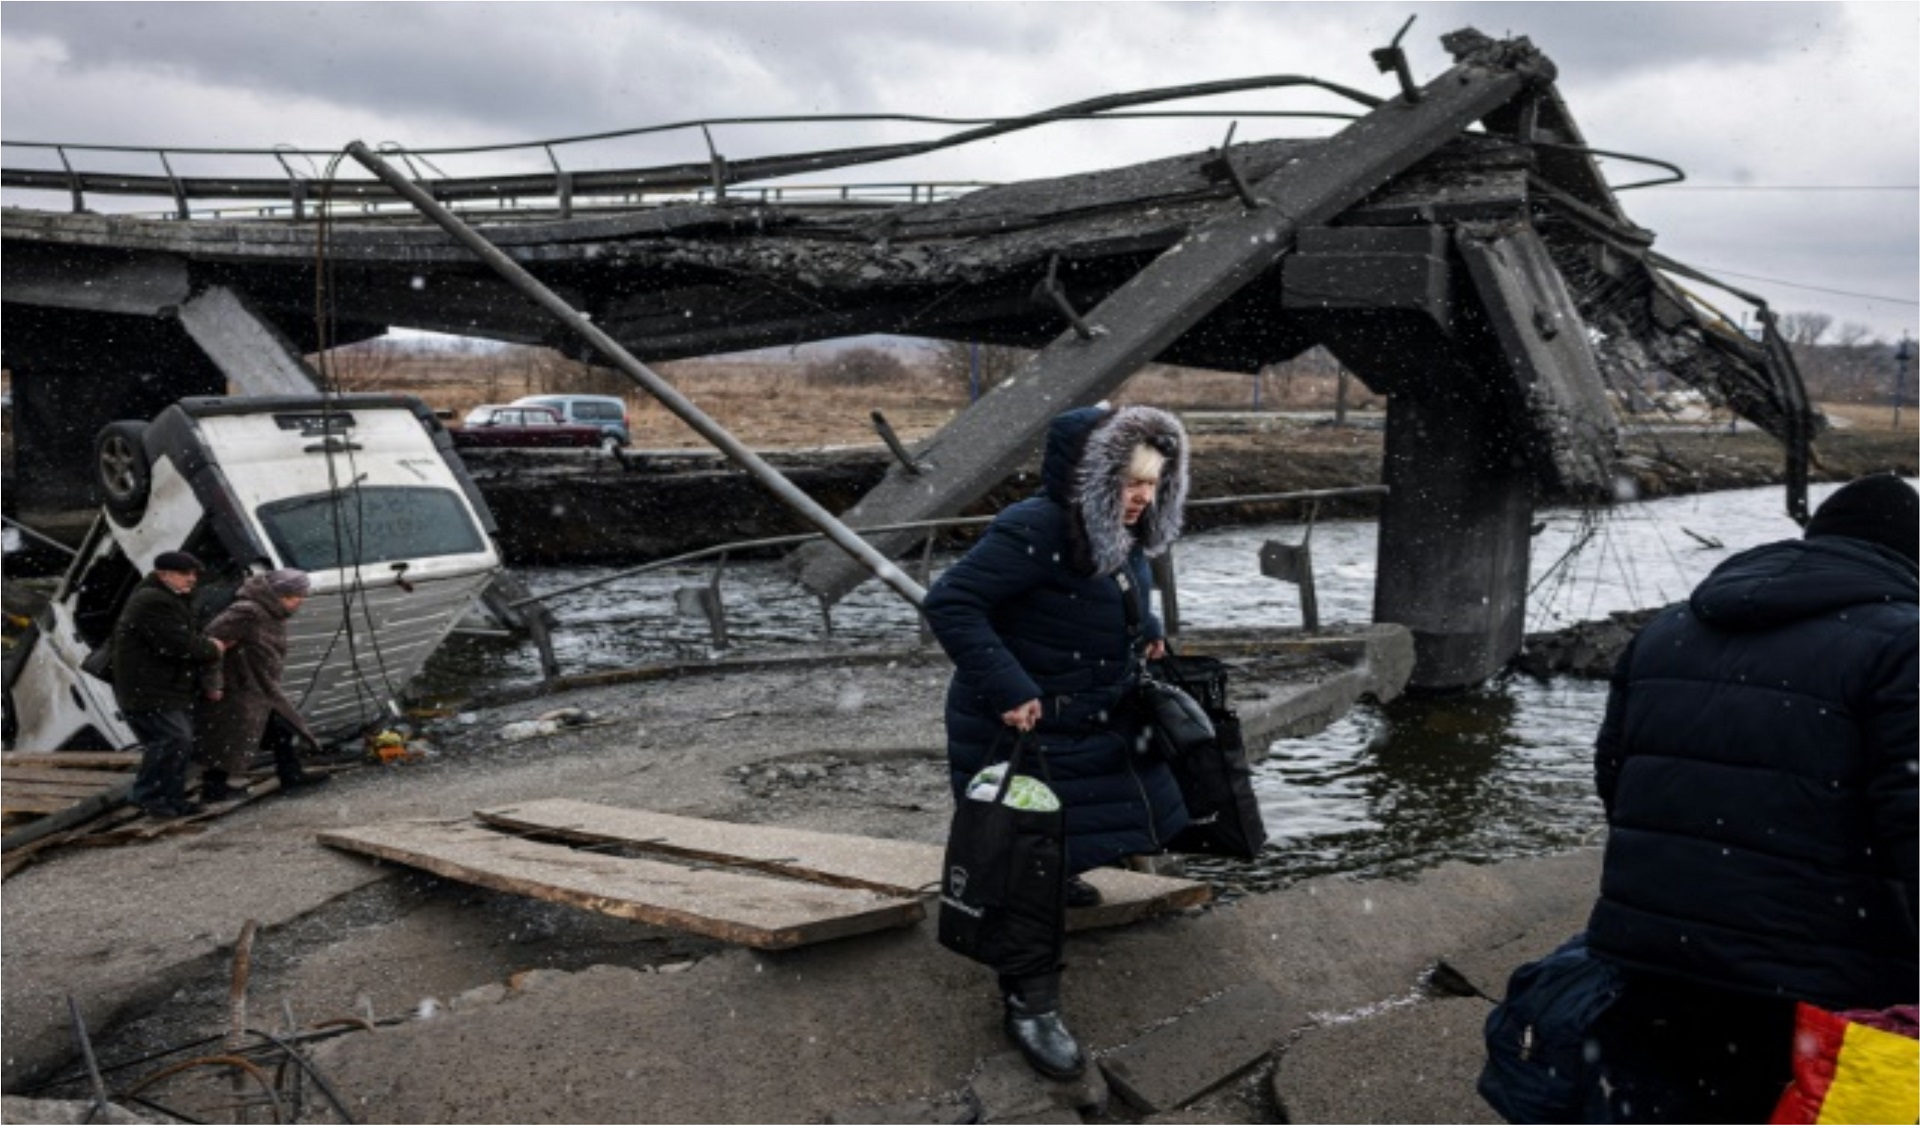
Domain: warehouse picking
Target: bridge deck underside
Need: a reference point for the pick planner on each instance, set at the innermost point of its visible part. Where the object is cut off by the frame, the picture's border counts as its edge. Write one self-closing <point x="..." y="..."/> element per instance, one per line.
<point x="706" y="279"/>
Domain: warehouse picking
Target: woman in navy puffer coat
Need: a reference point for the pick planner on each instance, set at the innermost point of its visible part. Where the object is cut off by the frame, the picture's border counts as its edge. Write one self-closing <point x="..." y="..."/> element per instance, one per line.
<point x="1033" y="619"/>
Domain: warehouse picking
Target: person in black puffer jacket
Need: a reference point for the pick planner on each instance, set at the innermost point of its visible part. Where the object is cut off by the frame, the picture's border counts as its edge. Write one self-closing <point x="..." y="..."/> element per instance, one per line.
<point x="1040" y="639"/>
<point x="1757" y="765"/>
<point x="157" y="660"/>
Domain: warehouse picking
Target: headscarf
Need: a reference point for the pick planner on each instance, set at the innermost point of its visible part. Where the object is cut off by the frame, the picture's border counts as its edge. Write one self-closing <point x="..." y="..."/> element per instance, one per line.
<point x="289" y="583"/>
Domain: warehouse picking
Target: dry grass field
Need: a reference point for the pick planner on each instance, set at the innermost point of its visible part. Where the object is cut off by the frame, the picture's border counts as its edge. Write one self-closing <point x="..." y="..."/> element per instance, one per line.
<point x="805" y="402"/>
<point x="787" y="403"/>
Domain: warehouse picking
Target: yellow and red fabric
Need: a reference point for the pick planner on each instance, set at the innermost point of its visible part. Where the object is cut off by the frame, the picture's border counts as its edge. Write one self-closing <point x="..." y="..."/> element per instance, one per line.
<point x="1853" y="1067"/>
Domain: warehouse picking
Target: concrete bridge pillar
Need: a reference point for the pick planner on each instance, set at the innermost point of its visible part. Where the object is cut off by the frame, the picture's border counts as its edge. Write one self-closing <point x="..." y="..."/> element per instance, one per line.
<point x="1454" y="538"/>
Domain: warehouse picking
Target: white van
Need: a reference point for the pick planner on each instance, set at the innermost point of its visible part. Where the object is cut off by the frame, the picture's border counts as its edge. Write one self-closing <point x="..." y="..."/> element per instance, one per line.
<point x="364" y="492"/>
<point x="605" y="411"/>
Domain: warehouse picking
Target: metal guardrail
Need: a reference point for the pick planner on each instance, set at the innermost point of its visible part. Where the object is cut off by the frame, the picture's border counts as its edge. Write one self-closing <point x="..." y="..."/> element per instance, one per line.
<point x="849" y="195"/>
<point x="298" y="179"/>
<point x="707" y="599"/>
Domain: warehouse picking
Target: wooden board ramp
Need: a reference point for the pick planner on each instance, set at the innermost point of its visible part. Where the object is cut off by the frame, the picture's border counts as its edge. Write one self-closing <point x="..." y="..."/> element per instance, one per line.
<point x="36" y="783"/>
<point x="79" y="797"/>
<point x="728" y="905"/>
<point x="900" y="867"/>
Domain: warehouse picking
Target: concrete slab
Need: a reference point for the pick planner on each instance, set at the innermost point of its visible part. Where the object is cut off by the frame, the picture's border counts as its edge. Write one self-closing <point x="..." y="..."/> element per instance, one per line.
<point x="1178" y="1062"/>
<point x="1424" y="1058"/>
<point x="1007" y="1089"/>
<point x="925" y="1111"/>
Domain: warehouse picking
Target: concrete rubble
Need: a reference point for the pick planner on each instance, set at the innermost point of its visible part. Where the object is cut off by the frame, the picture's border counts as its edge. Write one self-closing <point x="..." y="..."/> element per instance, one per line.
<point x="1305" y="1004"/>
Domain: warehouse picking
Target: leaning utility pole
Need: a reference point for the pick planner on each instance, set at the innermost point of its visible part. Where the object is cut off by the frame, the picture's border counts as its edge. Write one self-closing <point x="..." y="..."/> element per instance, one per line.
<point x="768" y="476"/>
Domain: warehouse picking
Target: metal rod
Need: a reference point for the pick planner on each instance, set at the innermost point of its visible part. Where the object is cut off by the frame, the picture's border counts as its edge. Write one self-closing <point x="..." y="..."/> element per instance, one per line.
<point x="99" y="1084"/>
<point x="894" y="446"/>
<point x="782" y="488"/>
<point x="25" y="530"/>
<point x="911" y="525"/>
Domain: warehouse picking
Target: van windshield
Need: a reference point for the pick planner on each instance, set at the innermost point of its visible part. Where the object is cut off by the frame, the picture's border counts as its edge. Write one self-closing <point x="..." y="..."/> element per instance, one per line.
<point x="369" y="525"/>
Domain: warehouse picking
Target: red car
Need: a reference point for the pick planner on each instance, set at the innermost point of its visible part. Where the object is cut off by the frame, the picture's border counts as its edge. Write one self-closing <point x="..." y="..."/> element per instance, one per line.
<point x="522" y="427"/>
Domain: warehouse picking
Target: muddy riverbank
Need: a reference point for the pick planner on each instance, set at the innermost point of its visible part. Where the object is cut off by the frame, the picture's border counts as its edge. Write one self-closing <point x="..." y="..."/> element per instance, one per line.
<point x="592" y="510"/>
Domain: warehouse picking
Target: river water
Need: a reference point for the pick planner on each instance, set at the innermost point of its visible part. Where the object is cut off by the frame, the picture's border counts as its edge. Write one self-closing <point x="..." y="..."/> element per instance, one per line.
<point x="1494" y="773"/>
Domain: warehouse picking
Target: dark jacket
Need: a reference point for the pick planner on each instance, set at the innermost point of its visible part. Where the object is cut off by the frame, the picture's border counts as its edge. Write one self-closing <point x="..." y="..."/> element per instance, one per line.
<point x="1034" y="611"/>
<point x="1757" y="765"/>
<point x="227" y="732"/>
<point x="157" y="655"/>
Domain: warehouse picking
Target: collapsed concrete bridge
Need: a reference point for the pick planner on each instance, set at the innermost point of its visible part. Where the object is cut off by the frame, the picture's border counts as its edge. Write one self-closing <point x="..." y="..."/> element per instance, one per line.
<point x="1456" y="246"/>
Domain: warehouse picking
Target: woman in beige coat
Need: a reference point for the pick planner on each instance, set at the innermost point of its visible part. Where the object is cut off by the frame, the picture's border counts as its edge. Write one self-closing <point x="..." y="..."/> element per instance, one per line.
<point x="244" y="692"/>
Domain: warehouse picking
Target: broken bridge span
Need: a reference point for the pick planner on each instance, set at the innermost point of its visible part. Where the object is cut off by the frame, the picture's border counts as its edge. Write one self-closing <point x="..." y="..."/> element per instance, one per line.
<point x="1455" y="245"/>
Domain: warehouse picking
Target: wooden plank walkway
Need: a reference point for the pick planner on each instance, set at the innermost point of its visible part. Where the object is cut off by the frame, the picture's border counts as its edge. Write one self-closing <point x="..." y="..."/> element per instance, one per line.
<point x="746" y="909"/>
<point x="34" y="784"/>
<point x="78" y="797"/>
<point x="900" y="867"/>
<point x="74" y="759"/>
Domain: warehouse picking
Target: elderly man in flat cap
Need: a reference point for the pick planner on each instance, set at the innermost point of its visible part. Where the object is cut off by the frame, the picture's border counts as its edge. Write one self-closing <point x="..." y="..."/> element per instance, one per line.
<point x="157" y="657"/>
<point x="244" y="690"/>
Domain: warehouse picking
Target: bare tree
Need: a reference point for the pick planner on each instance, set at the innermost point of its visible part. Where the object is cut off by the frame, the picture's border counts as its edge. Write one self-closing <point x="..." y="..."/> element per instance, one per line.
<point x="1804" y="328"/>
<point x="1851" y="365"/>
<point x="976" y="365"/>
<point x="366" y="366"/>
<point x="860" y="367"/>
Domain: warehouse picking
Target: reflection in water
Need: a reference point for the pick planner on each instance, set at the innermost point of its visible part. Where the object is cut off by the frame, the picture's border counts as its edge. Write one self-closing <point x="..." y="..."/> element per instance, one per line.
<point x="1501" y="772"/>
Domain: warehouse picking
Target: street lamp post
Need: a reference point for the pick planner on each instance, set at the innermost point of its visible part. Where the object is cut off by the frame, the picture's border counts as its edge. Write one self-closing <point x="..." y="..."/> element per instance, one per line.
<point x="1901" y="358"/>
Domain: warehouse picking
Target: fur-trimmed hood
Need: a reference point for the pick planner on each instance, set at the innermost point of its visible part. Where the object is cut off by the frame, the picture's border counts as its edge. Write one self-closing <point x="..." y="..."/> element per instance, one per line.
<point x="1084" y="469"/>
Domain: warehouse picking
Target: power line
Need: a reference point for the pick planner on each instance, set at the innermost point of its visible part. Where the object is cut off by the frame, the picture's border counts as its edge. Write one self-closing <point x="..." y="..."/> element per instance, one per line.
<point x="1818" y="289"/>
<point x="1795" y="187"/>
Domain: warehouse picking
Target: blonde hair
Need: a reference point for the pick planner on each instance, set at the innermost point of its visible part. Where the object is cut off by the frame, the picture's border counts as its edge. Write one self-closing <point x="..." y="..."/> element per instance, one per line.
<point x="1146" y="463"/>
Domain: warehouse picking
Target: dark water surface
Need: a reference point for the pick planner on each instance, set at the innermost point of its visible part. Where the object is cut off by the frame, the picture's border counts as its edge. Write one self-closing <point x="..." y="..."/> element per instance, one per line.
<point x="1495" y="773"/>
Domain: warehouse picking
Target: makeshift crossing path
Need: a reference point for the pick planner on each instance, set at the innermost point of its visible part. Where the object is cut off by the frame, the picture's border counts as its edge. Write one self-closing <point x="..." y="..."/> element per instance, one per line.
<point x="749" y="884"/>
<point x="900" y="867"/>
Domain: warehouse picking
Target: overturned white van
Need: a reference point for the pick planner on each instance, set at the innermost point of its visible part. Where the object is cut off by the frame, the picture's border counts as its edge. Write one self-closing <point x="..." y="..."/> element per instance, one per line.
<point x="364" y="492"/>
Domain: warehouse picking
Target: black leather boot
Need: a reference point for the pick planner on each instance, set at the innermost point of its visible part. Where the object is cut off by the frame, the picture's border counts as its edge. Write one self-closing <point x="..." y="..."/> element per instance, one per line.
<point x="216" y="786"/>
<point x="286" y="766"/>
<point x="1033" y="1023"/>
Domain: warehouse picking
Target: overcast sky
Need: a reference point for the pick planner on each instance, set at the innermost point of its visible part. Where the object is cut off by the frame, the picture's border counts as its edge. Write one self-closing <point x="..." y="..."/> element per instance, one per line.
<point x="1798" y="124"/>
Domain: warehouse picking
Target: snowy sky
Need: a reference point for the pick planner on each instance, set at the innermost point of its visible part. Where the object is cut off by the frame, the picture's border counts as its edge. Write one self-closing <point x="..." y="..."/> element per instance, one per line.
<point x="1798" y="124"/>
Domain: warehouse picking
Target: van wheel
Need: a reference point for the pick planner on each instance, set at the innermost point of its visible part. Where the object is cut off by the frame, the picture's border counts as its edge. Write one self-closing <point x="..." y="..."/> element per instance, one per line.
<point x="121" y="470"/>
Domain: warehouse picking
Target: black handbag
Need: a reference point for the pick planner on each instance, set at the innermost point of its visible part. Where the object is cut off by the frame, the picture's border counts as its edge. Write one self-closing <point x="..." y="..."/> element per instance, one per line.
<point x="1173" y="721"/>
<point x="1215" y="779"/>
<point x="1003" y="883"/>
<point x="1216" y="783"/>
<point x="1176" y="724"/>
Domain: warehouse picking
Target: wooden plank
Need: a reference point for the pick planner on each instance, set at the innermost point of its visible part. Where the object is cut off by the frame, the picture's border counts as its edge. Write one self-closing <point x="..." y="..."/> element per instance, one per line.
<point x="14" y="801"/>
<point x="97" y="778"/>
<point x="71" y="790"/>
<point x="148" y="828"/>
<point x="25" y="854"/>
<point x="71" y="817"/>
<point x="74" y="759"/>
<point x="901" y="867"/>
<point x="752" y="910"/>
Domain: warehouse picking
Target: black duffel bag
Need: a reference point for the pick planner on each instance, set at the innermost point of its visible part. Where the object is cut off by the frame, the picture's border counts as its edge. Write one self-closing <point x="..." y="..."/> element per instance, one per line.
<point x="1215" y="779"/>
<point x="1004" y="882"/>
